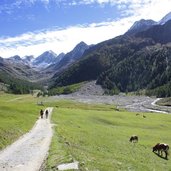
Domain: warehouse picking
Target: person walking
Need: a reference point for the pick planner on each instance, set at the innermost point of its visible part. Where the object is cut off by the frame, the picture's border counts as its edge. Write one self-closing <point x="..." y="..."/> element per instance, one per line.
<point x="47" y="113"/>
<point x="41" y="113"/>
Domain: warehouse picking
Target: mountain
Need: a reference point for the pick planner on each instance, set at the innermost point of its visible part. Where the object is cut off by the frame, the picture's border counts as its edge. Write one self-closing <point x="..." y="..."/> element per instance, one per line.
<point x="99" y="59"/>
<point x="74" y="55"/>
<point x="159" y="33"/>
<point x="19" y="77"/>
<point x="143" y="25"/>
<point x="38" y="69"/>
<point x="45" y="59"/>
<point x="16" y="68"/>
<point x="68" y="59"/>
<point x="165" y="19"/>
<point x="125" y="63"/>
<point x="59" y="57"/>
<point x="1" y="59"/>
<point x="139" y="59"/>
<point x="140" y="25"/>
<point x="28" y="59"/>
<point x="15" y="59"/>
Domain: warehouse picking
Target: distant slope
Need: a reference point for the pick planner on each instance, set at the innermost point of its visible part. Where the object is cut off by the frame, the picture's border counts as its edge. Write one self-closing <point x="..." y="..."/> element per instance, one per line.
<point x="140" y="26"/>
<point x="45" y="59"/>
<point x="18" y="76"/>
<point x="165" y="19"/>
<point x="67" y="59"/>
<point x="100" y="58"/>
<point x="159" y="33"/>
<point x="18" y="69"/>
<point x="16" y="85"/>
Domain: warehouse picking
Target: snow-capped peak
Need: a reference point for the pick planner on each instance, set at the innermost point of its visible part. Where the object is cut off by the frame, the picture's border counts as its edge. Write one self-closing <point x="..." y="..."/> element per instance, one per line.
<point x="165" y="19"/>
<point x="141" y="25"/>
<point x="45" y="59"/>
<point x="142" y="22"/>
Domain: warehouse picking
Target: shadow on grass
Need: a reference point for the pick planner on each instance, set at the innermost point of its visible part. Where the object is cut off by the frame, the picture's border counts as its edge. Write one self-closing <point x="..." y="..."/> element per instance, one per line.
<point x="160" y="156"/>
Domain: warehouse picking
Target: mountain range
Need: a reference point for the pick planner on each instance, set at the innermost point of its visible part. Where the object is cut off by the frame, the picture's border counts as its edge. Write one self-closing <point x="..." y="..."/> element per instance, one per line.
<point x="39" y="69"/>
<point x="139" y="59"/>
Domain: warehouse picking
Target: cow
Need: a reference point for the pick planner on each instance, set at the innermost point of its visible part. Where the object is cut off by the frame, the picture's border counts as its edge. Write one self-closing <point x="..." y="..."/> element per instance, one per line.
<point x="133" y="138"/>
<point x="160" y="148"/>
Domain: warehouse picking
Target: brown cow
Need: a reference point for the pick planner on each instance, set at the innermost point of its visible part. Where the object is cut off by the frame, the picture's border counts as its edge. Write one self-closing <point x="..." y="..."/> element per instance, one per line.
<point x="160" y="148"/>
<point x="133" y="138"/>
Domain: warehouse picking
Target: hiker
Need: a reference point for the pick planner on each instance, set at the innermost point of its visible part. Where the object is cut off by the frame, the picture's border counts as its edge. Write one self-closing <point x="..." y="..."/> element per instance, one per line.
<point x="47" y="112"/>
<point x="41" y="114"/>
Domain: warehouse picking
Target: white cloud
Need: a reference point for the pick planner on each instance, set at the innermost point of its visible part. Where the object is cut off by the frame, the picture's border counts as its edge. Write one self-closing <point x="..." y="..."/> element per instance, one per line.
<point x="153" y="9"/>
<point x="63" y="40"/>
<point x="59" y="40"/>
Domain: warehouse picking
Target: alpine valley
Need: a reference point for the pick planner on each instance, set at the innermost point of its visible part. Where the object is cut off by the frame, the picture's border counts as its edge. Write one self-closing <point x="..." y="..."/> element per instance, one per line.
<point x="138" y="60"/>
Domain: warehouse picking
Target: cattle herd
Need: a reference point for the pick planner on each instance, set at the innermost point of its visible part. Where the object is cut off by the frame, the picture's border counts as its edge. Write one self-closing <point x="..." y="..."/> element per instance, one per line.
<point x="159" y="148"/>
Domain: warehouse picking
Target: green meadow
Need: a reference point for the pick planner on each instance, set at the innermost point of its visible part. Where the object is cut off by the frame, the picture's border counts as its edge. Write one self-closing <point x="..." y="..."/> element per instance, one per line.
<point x="18" y="114"/>
<point x="98" y="137"/>
<point x="95" y="135"/>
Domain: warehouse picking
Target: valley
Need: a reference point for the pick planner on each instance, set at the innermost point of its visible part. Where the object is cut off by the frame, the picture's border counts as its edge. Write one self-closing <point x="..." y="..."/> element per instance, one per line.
<point x="87" y="128"/>
<point x="131" y="103"/>
<point x="135" y="61"/>
<point x="101" y="94"/>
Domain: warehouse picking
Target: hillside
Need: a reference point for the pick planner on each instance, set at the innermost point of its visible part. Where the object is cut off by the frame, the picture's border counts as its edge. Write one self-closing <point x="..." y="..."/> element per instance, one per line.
<point x="159" y="33"/>
<point x="18" y="76"/>
<point x="125" y="63"/>
<point x="67" y="59"/>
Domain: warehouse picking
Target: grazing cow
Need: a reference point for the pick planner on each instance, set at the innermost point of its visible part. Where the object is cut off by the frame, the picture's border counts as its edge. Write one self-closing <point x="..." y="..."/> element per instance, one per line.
<point x="133" y="138"/>
<point x="160" y="147"/>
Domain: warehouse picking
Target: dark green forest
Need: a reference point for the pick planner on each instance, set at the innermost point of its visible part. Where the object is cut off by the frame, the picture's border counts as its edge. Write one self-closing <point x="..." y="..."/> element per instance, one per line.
<point x="126" y="64"/>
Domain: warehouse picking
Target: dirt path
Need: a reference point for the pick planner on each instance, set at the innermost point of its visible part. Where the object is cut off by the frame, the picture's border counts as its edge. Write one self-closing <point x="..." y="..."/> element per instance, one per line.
<point x="29" y="152"/>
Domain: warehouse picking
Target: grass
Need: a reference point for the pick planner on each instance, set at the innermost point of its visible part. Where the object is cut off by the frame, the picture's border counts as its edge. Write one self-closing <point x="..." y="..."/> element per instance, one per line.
<point x="18" y="114"/>
<point x="98" y="137"/>
<point x="95" y="135"/>
<point x="66" y="89"/>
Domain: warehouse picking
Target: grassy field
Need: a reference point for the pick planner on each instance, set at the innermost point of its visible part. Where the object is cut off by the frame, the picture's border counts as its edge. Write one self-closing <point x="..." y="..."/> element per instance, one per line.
<point x="98" y="137"/>
<point x="95" y="135"/>
<point x="18" y="114"/>
<point x="66" y="89"/>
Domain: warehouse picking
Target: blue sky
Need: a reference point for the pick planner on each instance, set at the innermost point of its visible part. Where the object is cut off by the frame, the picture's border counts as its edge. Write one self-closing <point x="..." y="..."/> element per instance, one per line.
<point x="30" y="27"/>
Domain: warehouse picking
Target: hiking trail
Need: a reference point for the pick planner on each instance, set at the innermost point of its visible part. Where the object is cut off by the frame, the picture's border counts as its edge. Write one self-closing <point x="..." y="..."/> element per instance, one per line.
<point x="29" y="151"/>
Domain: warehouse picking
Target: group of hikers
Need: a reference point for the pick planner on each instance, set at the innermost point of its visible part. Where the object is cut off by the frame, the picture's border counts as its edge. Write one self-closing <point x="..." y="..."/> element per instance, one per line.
<point x="42" y="112"/>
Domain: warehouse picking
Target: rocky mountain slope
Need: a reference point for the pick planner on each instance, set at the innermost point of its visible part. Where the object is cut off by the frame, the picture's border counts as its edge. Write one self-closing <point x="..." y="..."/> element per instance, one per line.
<point x="165" y="19"/>
<point x="40" y="69"/>
<point x="140" y="26"/>
<point x="126" y="63"/>
<point x="46" y="59"/>
<point x="68" y="59"/>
